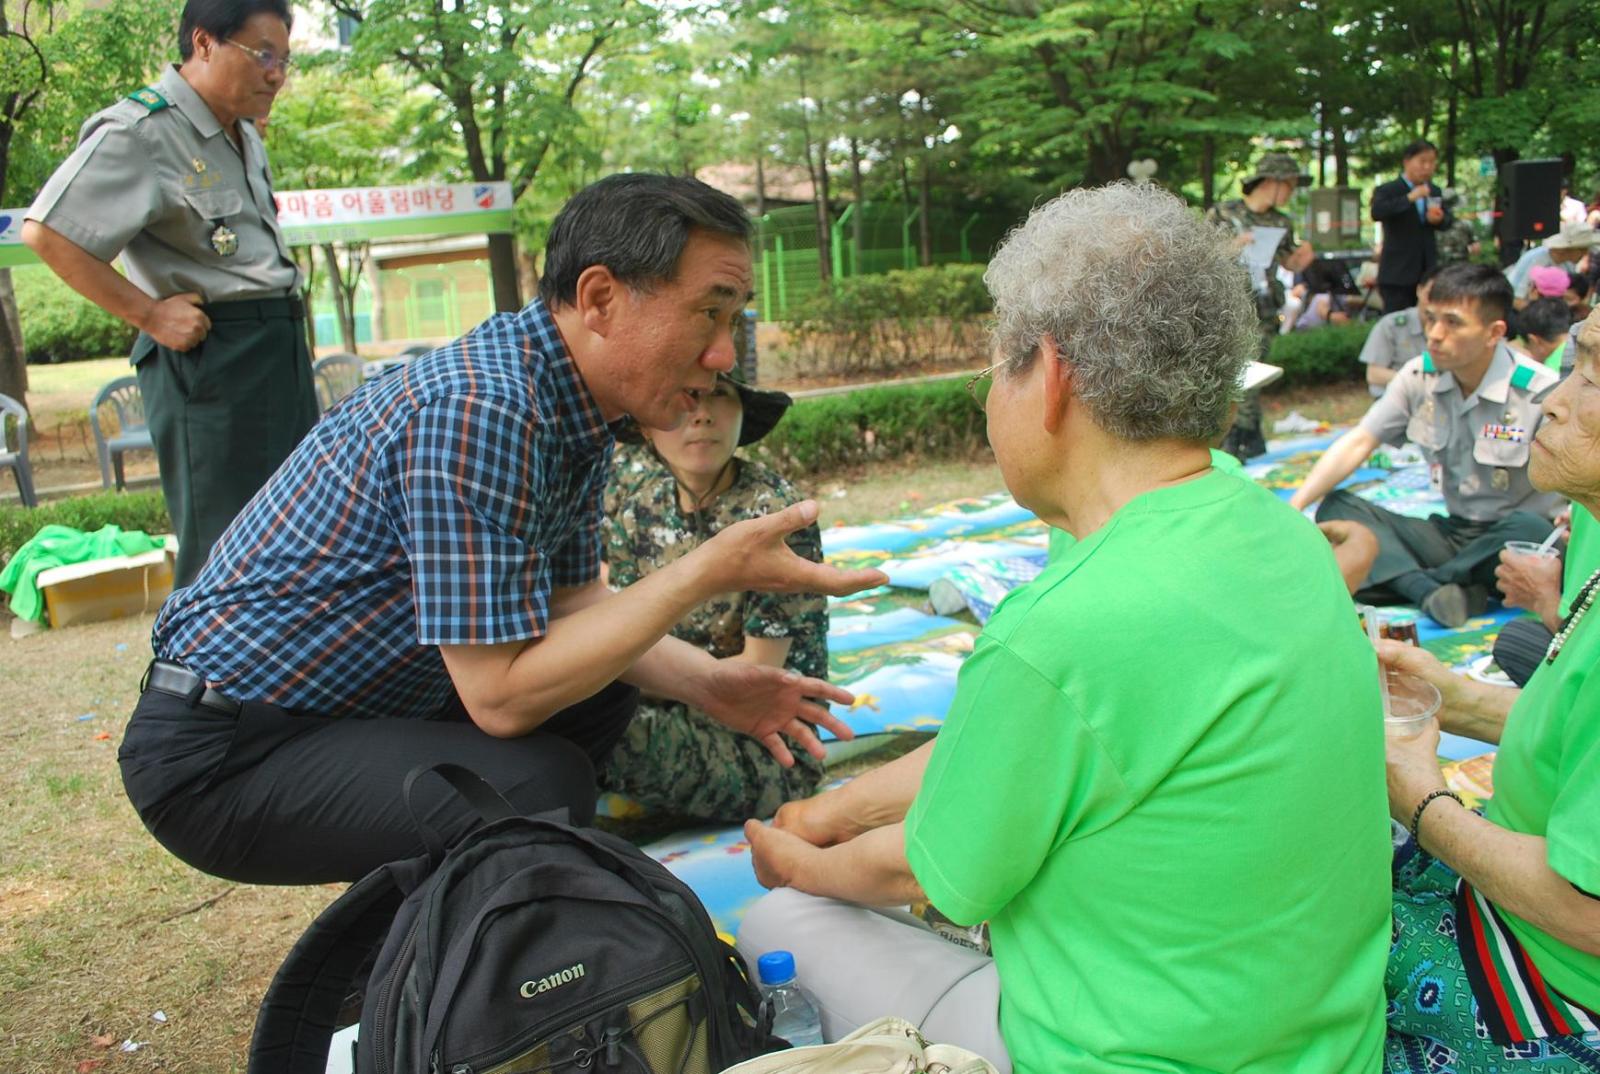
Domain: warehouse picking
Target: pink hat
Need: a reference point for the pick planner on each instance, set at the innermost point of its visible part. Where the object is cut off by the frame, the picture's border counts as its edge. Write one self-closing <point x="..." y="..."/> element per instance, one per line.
<point x="1552" y="282"/>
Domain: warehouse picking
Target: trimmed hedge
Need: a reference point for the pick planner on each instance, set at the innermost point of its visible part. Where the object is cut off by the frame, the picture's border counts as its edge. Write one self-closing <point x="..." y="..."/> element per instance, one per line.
<point x="145" y="511"/>
<point x="883" y="322"/>
<point x="831" y="432"/>
<point x="60" y="325"/>
<point x="1322" y="355"/>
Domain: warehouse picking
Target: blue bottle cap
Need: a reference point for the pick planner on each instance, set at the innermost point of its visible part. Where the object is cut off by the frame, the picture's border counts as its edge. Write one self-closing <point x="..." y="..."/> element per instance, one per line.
<point x="775" y="967"/>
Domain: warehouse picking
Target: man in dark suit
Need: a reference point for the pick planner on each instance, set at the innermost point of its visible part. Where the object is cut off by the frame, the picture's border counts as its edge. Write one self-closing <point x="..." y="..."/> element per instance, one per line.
<point x="1412" y="211"/>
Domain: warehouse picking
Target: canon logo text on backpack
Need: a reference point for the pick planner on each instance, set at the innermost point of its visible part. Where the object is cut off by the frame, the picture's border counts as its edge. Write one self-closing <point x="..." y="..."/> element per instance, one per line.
<point x="555" y="980"/>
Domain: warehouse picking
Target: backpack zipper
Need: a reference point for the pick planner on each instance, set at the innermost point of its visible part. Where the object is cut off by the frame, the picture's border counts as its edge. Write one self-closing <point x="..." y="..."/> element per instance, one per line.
<point x="380" y="1031"/>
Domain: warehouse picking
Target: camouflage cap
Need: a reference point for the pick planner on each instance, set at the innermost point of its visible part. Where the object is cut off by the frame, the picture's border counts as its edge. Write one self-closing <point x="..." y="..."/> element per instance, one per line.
<point x="1274" y="166"/>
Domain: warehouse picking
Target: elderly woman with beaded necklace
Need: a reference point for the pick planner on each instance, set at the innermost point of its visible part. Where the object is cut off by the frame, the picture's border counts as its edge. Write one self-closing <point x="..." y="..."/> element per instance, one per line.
<point x="1496" y="956"/>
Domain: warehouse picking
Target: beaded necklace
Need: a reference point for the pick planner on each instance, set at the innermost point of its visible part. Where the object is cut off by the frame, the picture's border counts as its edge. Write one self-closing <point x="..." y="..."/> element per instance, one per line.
<point x="1580" y="605"/>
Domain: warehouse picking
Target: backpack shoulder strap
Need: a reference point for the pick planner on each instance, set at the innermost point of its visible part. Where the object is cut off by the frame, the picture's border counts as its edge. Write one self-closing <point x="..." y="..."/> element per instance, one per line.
<point x="296" y="1020"/>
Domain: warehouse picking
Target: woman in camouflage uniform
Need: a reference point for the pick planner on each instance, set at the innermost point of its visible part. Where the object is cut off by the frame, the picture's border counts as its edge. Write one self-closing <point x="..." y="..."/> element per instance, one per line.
<point x="670" y="491"/>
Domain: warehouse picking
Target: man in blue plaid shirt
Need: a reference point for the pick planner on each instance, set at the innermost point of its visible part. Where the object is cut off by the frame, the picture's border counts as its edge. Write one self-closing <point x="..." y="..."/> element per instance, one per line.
<point x="420" y="581"/>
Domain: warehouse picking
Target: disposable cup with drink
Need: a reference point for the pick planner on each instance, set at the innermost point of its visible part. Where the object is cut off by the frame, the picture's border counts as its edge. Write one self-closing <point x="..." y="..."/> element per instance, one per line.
<point x="1409" y="703"/>
<point x="1532" y="548"/>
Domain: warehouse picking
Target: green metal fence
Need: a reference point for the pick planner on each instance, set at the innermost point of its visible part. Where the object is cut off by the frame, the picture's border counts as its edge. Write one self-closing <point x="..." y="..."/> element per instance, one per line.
<point x="789" y="271"/>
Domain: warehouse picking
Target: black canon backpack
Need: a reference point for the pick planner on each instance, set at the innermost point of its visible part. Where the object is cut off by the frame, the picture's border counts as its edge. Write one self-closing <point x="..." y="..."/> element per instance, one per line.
<point x="530" y="946"/>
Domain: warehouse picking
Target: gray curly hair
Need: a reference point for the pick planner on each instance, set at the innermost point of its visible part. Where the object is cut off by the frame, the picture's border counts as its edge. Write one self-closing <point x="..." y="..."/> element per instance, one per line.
<point x="1148" y="304"/>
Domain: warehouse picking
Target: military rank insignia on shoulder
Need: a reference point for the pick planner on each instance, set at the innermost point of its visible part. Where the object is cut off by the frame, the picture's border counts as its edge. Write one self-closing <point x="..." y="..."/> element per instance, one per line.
<point x="1531" y="376"/>
<point x="149" y="97"/>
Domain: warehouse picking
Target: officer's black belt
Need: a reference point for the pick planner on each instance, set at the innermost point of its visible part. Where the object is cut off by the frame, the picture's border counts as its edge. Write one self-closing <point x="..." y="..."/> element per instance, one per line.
<point x="175" y="679"/>
<point x="257" y="309"/>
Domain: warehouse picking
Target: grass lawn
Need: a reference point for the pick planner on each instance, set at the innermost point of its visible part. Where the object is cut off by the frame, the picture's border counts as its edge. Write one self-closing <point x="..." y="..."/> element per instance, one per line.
<point x="58" y="392"/>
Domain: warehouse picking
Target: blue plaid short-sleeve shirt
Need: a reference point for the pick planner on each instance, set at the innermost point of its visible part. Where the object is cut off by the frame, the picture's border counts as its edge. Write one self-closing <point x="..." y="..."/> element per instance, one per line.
<point x="438" y="505"/>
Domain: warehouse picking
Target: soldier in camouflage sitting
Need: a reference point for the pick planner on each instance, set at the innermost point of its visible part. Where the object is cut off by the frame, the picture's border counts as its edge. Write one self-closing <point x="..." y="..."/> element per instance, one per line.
<point x="1265" y="194"/>
<point x="670" y="491"/>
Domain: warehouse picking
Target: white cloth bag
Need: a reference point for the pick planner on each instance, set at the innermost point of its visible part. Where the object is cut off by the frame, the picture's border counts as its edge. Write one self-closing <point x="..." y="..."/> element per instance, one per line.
<point x="887" y="1046"/>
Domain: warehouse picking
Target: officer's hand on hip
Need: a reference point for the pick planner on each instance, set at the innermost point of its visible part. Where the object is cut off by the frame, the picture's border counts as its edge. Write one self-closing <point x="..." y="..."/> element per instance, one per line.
<point x="178" y="323"/>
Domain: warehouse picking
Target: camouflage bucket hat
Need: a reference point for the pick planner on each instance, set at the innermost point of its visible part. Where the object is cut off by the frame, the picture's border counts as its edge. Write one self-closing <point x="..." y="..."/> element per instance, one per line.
<point x="763" y="409"/>
<point x="1273" y="166"/>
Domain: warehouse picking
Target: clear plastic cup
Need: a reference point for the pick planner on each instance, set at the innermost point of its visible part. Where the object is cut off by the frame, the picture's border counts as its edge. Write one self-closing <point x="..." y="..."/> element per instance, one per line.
<point x="1531" y="548"/>
<point x="1412" y="703"/>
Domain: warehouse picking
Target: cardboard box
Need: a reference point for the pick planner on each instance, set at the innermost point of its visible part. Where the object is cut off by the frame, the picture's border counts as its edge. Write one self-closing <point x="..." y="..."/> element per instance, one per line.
<point x="108" y="588"/>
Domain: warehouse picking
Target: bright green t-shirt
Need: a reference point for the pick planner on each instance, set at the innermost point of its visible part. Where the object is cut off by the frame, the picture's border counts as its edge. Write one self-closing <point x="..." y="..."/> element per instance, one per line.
<point x="1547" y="783"/>
<point x="1061" y="540"/>
<point x="1162" y="783"/>
<point x="1583" y="555"/>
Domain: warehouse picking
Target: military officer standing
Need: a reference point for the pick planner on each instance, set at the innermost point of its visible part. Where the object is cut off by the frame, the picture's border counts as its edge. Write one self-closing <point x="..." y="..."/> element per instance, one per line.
<point x="174" y="178"/>
<point x="1473" y="406"/>
<point x="1265" y="194"/>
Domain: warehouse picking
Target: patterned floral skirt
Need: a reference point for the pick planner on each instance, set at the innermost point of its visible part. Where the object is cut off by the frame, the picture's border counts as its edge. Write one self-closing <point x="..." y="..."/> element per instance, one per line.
<point x="1434" y="1022"/>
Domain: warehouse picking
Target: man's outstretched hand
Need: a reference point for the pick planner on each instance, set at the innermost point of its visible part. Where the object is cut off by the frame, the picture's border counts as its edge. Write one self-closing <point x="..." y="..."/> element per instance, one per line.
<point x="753" y="555"/>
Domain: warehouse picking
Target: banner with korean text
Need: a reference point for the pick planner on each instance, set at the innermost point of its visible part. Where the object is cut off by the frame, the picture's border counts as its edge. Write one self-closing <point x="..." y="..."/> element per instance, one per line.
<point x="354" y="214"/>
<point x="351" y="214"/>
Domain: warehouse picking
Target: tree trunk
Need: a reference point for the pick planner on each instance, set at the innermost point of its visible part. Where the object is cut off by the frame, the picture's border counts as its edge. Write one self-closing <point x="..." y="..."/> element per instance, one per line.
<point x="1322" y="143"/>
<point x="761" y="186"/>
<point x="341" y="298"/>
<point x="819" y="189"/>
<point x="13" y="369"/>
<point x="925" y="204"/>
<point x="1450" y="137"/>
<point x="503" y="271"/>
<point x="1208" y="171"/>
<point x="308" y="290"/>
<point x="1341" y="155"/>
<point x="1107" y="163"/>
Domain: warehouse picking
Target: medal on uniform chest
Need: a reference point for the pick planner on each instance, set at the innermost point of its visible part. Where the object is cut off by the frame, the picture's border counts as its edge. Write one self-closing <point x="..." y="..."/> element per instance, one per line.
<point x="1501" y="480"/>
<point x="224" y="241"/>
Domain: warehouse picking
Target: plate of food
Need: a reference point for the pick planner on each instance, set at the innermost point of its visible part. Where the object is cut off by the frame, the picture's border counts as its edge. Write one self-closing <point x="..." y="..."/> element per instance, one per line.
<point x="1484" y="669"/>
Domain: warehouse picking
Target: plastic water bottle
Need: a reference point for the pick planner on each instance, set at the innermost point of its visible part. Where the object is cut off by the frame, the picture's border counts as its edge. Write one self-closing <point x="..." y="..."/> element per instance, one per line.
<point x="794" y="1016"/>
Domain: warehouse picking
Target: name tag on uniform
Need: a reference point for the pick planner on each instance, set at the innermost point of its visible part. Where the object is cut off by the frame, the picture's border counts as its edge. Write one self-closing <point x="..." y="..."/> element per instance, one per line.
<point x="1514" y="434"/>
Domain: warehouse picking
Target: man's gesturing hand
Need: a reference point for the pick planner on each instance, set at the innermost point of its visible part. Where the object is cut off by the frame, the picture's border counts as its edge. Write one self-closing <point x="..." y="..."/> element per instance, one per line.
<point x="767" y="703"/>
<point x="752" y="555"/>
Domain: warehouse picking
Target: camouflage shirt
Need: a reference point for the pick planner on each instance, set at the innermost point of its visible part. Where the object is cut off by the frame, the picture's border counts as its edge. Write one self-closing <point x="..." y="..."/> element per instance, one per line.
<point x="646" y="529"/>
<point x="1238" y="218"/>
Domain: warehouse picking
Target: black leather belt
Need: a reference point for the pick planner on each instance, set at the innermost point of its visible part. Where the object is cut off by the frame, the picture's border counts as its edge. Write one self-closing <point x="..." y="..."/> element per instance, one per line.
<point x="256" y="309"/>
<point x="179" y="681"/>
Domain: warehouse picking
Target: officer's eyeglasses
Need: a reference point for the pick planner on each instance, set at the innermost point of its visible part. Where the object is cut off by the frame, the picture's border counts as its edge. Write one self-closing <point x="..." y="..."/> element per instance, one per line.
<point x="267" y="59"/>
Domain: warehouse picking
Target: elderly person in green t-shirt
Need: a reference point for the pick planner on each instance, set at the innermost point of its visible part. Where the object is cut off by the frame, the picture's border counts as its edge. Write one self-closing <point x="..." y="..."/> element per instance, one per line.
<point x="1160" y="779"/>
<point x="1496" y="955"/>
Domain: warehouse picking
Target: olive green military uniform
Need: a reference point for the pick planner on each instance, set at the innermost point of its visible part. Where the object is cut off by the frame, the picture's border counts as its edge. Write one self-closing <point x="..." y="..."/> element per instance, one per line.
<point x="673" y="758"/>
<point x="157" y="180"/>
<point x="1245" y="439"/>
<point x="1477" y="449"/>
<point x="1395" y="340"/>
